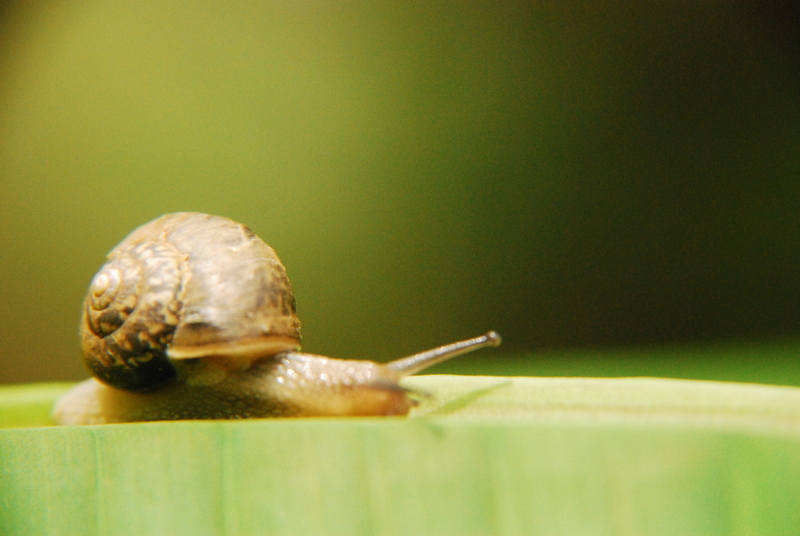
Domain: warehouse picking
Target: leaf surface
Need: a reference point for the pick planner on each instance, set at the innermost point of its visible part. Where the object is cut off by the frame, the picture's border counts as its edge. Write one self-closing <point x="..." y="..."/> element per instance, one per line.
<point x="479" y="455"/>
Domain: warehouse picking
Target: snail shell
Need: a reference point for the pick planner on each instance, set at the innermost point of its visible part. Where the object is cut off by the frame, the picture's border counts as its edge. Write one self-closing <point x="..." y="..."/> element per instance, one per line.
<point x="193" y="317"/>
<point x="185" y="286"/>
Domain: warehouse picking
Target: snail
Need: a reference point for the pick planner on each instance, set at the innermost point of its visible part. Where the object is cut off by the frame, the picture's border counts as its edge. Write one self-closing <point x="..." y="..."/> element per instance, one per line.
<point x="193" y="317"/>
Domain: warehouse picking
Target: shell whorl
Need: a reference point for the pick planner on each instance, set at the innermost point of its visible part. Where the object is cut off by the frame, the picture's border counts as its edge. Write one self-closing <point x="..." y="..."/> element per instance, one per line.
<point x="186" y="285"/>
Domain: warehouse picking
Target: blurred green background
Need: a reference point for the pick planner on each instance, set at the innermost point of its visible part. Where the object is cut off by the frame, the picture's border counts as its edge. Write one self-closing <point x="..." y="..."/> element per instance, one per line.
<point x="575" y="175"/>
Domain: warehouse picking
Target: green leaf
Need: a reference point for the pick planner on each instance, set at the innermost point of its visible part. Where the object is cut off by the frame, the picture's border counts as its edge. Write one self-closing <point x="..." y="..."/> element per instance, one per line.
<point x="480" y="455"/>
<point x="29" y="405"/>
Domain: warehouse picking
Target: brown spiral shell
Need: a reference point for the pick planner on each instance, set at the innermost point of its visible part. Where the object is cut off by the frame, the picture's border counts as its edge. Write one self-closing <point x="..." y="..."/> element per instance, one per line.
<point x="185" y="286"/>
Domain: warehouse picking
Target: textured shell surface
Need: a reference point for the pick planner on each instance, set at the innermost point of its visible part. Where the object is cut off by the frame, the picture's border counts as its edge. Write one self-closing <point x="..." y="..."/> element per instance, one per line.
<point x="183" y="286"/>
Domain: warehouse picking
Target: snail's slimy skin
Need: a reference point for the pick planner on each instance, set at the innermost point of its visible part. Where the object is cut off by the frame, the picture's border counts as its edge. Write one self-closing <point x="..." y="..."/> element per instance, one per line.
<point x="286" y="385"/>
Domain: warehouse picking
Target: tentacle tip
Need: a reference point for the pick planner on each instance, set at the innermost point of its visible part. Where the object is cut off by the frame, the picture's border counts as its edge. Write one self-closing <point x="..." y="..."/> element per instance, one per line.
<point x="493" y="338"/>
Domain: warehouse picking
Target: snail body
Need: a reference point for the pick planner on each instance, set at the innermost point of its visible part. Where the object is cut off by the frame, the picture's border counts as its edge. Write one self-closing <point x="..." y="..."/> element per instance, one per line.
<point x="193" y="317"/>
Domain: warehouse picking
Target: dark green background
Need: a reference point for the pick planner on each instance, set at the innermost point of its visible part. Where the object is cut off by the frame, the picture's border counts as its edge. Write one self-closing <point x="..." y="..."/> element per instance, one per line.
<point x="571" y="174"/>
